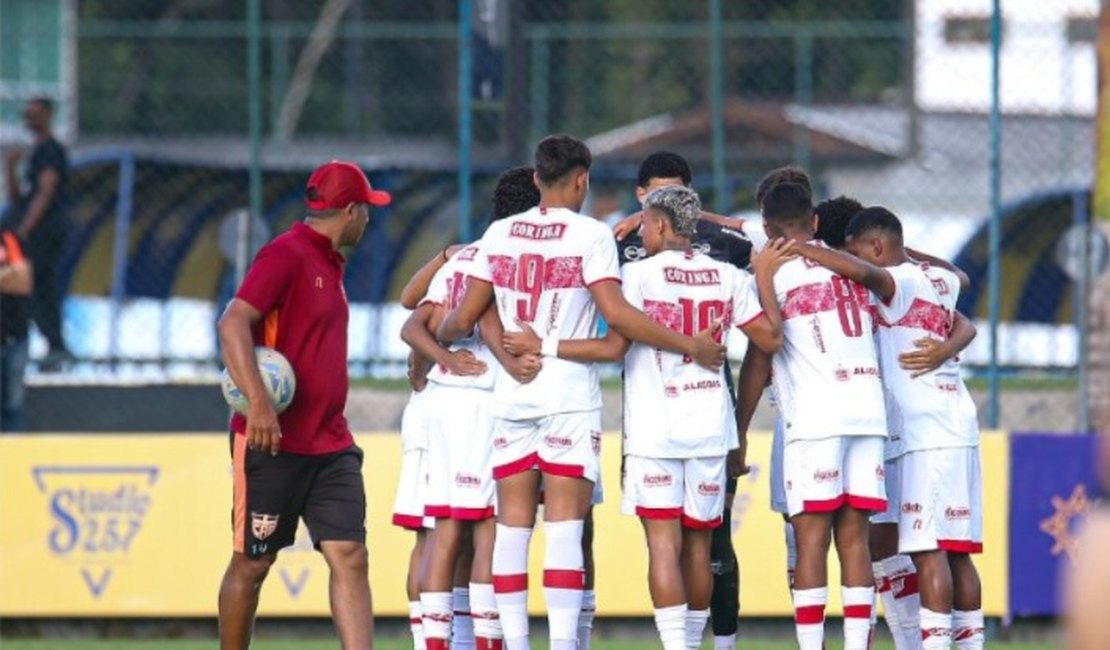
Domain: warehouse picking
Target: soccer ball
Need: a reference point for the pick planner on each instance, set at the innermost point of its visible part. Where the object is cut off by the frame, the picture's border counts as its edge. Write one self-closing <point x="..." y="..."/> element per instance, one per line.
<point x="277" y="375"/>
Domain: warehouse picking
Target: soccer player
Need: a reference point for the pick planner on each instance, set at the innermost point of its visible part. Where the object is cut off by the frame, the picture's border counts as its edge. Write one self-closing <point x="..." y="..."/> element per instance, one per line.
<point x="553" y="268"/>
<point x="303" y="463"/>
<point x="833" y="456"/>
<point x="933" y="428"/>
<point x="666" y="169"/>
<point x="460" y="479"/>
<point x="679" y="424"/>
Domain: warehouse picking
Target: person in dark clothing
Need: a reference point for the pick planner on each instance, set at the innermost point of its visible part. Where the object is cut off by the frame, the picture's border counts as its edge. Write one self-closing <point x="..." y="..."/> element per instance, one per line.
<point x="36" y="217"/>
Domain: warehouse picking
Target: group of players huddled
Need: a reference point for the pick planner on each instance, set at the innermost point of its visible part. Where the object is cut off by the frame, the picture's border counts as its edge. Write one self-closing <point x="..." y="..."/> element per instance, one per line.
<point x="854" y="336"/>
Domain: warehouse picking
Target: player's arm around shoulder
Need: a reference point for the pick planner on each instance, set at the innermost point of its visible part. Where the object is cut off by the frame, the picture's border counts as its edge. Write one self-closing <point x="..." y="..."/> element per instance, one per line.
<point x="875" y="278"/>
<point x="766" y="332"/>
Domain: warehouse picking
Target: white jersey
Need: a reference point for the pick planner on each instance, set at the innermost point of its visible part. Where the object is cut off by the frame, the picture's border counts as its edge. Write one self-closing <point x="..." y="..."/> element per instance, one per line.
<point x="674" y="408"/>
<point x="826" y="376"/>
<point x="447" y="288"/>
<point x="935" y="410"/>
<point x="541" y="264"/>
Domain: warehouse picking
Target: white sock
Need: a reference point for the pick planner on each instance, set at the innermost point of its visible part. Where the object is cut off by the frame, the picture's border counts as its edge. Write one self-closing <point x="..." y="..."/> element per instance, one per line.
<point x="901" y="576"/>
<point x="510" y="583"/>
<point x="936" y="630"/>
<point x="695" y="626"/>
<point x="416" y="624"/>
<point x="462" y="628"/>
<point x="671" y="623"/>
<point x="724" y="642"/>
<point x="438" y="614"/>
<point x="483" y="611"/>
<point x="857" y="616"/>
<point x="564" y="579"/>
<point x="809" y="617"/>
<point x="586" y="619"/>
<point x="967" y="629"/>
<point x="791" y="553"/>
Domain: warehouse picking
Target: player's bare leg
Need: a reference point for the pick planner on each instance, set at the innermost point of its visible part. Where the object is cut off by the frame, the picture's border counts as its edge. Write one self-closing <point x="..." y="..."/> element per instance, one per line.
<point x="412" y="587"/>
<point x="896" y="584"/>
<point x="349" y="591"/>
<point x="698" y="576"/>
<point x="589" y="599"/>
<point x="238" y="602"/>
<point x="934" y="577"/>
<point x="852" y="528"/>
<point x="665" y="582"/>
<point x="813" y="535"/>
<point x="436" y="585"/>
<point x="967" y="603"/>
<point x="462" y="626"/>
<point x="517" y="498"/>
<point x="566" y="503"/>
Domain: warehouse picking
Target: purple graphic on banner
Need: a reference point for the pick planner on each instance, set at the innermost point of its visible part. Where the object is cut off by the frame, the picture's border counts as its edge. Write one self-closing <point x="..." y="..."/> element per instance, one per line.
<point x="1053" y="486"/>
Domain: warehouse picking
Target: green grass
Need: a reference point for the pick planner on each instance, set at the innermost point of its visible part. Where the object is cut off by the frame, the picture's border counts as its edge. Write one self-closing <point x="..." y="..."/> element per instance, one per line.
<point x="405" y="644"/>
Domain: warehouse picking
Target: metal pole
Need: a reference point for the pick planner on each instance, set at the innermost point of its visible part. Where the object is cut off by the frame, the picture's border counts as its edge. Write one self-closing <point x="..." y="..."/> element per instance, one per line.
<point x="994" y="270"/>
<point x="541" y="55"/>
<point x="1082" y="216"/>
<point x="465" y="81"/>
<point x="254" y="126"/>
<point x="803" y="94"/>
<point x="717" y="105"/>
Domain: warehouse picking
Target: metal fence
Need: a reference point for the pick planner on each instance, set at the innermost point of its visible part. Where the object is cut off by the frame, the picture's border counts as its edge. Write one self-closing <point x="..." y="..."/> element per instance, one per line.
<point x="182" y="116"/>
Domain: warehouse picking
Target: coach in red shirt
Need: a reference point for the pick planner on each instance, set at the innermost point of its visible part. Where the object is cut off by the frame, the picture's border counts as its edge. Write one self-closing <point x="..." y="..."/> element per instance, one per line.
<point x="303" y="463"/>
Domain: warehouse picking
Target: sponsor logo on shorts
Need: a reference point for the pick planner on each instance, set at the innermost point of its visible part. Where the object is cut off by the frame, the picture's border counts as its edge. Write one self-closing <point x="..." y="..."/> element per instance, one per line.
<point x="500" y="442"/>
<point x="595" y="442"/>
<point x="826" y="475"/>
<point x="959" y="512"/>
<point x="557" y="442"/>
<point x="467" y="480"/>
<point x="709" y="489"/>
<point x="263" y="525"/>
<point x="658" y="480"/>
<point x="908" y="507"/>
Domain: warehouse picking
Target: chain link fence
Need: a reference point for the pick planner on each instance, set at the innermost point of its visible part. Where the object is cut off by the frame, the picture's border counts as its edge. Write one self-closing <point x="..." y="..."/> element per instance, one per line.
<point x="886" y="102"/>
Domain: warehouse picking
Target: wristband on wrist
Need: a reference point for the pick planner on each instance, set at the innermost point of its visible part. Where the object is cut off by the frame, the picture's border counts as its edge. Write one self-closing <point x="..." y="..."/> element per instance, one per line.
<point x="549" y="347"/>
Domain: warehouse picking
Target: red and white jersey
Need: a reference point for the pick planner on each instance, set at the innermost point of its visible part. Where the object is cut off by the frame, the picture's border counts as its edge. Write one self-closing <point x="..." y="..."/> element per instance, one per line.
<point x="826" y="376"/>
<point x="541" y="264"/>
<point x="934" y="410"/>
<point x="447" y="288"/>
<point x="674" y="408"/>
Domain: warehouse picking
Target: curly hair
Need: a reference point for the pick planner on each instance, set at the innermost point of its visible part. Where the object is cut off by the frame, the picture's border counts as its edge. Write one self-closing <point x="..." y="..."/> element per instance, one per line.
<point x="515" y="192"/>
<point x="679" y="204"/>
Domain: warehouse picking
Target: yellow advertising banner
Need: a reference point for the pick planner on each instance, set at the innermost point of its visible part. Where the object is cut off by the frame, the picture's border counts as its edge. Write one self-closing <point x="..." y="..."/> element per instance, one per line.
<point x="133" y="525"/>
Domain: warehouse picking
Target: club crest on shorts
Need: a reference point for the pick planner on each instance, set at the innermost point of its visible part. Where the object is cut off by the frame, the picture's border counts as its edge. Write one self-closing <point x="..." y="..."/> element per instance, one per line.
<point x="263" y="525"/>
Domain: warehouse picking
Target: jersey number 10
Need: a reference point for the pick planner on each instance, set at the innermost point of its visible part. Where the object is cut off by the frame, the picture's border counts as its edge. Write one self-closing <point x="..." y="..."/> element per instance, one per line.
<point x="699" y="316"/>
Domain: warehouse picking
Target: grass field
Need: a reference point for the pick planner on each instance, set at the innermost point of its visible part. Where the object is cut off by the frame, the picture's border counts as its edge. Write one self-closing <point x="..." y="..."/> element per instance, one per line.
<point x="404" y="644"/>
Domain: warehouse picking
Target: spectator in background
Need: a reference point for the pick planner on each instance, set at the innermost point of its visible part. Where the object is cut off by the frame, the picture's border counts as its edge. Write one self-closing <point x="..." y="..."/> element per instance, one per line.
<point x="15" y="287"/>
<point x="36" y="217"/>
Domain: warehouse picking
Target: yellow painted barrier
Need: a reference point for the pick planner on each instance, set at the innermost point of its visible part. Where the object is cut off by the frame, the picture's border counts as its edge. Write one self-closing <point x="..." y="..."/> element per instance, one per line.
<point x="132" y="525"/>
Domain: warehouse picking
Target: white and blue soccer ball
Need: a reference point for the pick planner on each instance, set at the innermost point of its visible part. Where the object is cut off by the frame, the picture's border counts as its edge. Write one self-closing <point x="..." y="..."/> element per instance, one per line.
<point x="277" y="375"/>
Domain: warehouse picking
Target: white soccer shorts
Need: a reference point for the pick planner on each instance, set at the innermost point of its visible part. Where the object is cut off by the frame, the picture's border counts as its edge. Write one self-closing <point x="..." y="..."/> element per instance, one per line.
<point x="412" y="487"/>
<point x="460" y="435"/>
<point x="563" y="444"/>
<point x="824" y="475"/>
<point x="690" y="489"/>
<point x="942" y="501"/>
<point x="778" y="483"/>
<point x="893" y="469"/>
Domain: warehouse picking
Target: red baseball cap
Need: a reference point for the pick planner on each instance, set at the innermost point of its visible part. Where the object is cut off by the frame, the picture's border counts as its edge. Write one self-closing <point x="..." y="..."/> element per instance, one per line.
<point x="337" y="184"/>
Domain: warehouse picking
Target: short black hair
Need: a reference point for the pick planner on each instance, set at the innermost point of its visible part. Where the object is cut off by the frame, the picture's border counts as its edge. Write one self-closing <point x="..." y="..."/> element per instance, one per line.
<point x="663" y="164"/>
<point x="43" y="101"/>
<point x="558" y="155"/>
<point x="833" y="216"/>
<point x="874" y="218"/>
<point x="780" y="175"/>
<point x="786" y="203"/>
<point x="515" y="192"/>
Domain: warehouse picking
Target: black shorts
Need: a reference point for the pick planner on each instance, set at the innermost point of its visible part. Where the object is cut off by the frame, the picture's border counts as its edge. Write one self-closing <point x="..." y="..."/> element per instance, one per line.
<point x="271" y="493"/>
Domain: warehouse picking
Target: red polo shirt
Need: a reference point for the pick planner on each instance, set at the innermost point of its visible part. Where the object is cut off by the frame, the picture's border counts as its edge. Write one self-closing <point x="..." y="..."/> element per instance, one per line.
<point x="296" y="282"/>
